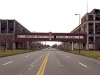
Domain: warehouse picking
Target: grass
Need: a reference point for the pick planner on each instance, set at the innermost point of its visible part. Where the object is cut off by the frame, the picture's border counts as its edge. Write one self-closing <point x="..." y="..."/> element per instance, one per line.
<point x="89" y="53"/>
<point x="14" y="52"/>
<point x="92" y="54"/>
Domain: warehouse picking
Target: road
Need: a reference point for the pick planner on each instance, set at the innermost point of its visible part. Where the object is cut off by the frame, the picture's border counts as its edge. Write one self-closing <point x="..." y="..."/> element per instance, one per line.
<point x="49" y="62"/>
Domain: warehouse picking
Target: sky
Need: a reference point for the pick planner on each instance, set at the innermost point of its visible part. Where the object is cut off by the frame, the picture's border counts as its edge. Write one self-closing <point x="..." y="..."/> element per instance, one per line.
<point x="47" y="15"/>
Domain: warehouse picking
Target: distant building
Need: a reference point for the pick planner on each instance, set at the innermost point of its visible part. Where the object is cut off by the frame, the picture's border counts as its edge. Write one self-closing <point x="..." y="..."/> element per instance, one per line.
<point x="90" y="24"/>
<point x="54" y="46"/>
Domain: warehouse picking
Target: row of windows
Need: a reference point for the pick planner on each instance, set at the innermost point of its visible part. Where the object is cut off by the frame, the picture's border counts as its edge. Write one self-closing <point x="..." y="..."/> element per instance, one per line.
<point x="91" y="39"/>
<point x="11" y="30"/>
<point x="4" y="26"/>
<point x="10" y="23"/>
<point x="91" y="26"/>
<point x="96" y="31"/>
<point x="90" y="18"/>
<point x="97" y="25"/>
<point x="4" y="30"/>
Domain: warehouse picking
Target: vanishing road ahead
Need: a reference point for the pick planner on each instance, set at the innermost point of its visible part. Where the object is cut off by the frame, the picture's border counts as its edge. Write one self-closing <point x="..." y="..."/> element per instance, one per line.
<point x="49" y="62"/>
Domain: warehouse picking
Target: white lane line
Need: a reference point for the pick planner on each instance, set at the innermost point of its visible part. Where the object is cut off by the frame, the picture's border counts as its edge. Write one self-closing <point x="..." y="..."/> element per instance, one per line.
<point x="8" y="63"/>
<point x="58" y="62"/>
<point x="27" y="56"/>
<point x="31" y="67"/>
<point x="67" y="56"/>
<point x="34" y="62"/>
<point x="82" y="64"/>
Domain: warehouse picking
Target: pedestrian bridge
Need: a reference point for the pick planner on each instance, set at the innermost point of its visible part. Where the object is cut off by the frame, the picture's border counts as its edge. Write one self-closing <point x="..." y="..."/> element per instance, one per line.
<point x="62" y="37"/>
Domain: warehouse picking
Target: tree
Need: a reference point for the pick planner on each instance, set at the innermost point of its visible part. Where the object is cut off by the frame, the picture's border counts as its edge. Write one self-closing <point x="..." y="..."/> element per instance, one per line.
<point x="5" y="38"/>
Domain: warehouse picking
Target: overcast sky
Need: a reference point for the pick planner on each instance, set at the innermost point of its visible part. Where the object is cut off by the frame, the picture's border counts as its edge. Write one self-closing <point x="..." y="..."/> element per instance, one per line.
<point x="47" y="15"/>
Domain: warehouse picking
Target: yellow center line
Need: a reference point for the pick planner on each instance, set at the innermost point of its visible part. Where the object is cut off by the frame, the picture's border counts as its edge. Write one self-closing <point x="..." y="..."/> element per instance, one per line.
<point x="45" y="64"/>
<point x="42" y="67"/>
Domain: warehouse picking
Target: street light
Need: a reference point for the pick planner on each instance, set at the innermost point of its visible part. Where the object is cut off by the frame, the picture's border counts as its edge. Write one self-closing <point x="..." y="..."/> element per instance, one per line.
<point x="79" y="17"/>
<point x="79" y="31"/>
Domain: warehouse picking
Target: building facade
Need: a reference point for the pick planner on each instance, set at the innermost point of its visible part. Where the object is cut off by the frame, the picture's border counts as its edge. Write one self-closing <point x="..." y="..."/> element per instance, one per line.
<point x="90" y="24"/>
<point x="8" y="28"/>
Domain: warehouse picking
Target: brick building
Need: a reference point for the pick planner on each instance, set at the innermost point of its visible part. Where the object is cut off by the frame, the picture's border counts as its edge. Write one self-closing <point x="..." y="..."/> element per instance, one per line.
<point x="8" y="28"/>
<point x="90" y="24"/>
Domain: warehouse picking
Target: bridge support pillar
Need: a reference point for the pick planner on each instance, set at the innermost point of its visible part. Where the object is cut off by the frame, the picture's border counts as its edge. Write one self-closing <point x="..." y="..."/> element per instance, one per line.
<point x="27" y="45"/>
<point x="14" y="46"/>
<point x="87" y="47"/>
<point x="72" y="46"/>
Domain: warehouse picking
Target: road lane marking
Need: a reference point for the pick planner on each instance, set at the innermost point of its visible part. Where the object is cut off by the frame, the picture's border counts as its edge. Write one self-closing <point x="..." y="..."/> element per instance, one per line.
<point x="35" y="62"/>
<point x="42" y="68"/>
<point x="67" y="56"/>
<point x="58" y="62"/>
<point x="8" y="63"/>
<point x="43" y="65"/>
<point x="27" y="56"/>
<point x="31" y="67"/>
<point x="82" y="64"/>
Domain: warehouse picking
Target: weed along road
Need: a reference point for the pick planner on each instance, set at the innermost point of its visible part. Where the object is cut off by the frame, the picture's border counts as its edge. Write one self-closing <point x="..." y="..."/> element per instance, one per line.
<point x="49" y="62"/>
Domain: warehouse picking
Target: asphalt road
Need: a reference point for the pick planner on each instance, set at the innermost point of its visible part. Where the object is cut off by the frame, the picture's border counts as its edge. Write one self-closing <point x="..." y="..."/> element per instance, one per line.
<point x="49" y="62"/>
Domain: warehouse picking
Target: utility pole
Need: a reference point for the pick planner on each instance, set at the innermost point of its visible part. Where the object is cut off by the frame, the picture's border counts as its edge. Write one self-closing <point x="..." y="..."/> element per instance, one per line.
<point x="79" y="31"/>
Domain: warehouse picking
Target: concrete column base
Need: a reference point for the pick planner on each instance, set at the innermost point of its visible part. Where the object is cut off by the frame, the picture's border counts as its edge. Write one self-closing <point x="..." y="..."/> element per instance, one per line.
<point x="27" y="45"/>
<point x="14" y="46"/>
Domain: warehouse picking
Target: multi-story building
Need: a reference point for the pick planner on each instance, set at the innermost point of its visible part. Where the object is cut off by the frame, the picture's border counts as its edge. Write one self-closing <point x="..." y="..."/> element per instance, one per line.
<point x="7" y="30"/>
<point x="90" y="24"/>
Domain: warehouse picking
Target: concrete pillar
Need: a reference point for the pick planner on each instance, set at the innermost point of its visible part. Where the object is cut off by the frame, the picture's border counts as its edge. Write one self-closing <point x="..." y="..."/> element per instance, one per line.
<point x="72" y="46"/>
<point x="64" y="45"/>
<point x="14" y="26"/>
<point x="87" y="44"/>
<point x="7" y="25"/>
<point x="14" y="46"/>
<point x="76" y="45"/>
<point x="94" y="28"/>
<point x="94" y="43"/>
<point x="94" y="37"/>
<point x="27" y="45"/>
<point x="0" y="26"/>
<point x="80" y="46"/>
<point x="6" y="45"/>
